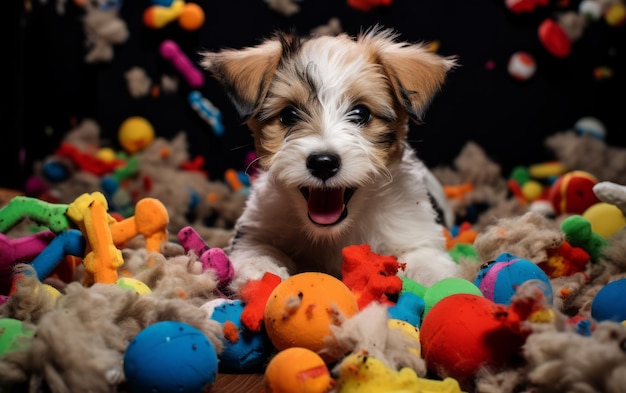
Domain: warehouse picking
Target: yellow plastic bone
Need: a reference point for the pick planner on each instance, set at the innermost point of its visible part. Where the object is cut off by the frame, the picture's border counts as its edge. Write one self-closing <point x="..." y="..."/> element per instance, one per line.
<point x="102" y="258"/>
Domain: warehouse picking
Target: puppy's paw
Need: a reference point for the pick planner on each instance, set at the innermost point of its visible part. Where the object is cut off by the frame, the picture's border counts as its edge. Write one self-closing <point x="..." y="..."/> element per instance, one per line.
<point x="254" y="269"/>
<point x="429" y="265"/>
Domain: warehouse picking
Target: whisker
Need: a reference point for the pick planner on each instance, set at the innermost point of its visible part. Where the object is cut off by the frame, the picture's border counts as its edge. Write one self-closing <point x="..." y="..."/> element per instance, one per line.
<point x="250" y="165"/>
<point x="248" y="146"/>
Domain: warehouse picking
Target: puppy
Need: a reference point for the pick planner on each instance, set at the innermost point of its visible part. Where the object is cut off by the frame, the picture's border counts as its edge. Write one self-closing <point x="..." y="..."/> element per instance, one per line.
<point x="329" y="117"/>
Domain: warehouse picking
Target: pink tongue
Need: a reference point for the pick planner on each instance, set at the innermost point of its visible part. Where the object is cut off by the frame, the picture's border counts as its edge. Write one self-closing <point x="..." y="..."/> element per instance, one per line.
<point x="325" y="205"/>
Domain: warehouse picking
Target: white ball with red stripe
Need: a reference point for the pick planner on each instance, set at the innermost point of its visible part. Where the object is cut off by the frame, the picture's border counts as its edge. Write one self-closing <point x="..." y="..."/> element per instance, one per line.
<point x="522" y="66"/>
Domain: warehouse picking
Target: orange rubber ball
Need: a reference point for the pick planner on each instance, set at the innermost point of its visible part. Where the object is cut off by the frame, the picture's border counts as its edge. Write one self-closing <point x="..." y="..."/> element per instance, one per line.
<point x="297" y="370"/>
<point x="299" y="312"/>
<point x="192" y="17"/>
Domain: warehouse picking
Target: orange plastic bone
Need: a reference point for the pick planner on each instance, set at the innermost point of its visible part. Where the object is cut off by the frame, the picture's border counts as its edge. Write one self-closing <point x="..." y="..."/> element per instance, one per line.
<point x="102" y="258"/>
<point x="150" y="220"/>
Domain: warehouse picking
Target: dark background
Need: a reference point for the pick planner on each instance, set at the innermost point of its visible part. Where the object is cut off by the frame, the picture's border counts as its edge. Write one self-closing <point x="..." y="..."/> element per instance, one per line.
<point x="50" y="88"/>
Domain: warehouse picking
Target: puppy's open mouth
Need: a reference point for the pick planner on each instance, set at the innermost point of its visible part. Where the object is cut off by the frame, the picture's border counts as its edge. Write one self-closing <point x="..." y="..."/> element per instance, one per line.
<point x="327" y="206"/>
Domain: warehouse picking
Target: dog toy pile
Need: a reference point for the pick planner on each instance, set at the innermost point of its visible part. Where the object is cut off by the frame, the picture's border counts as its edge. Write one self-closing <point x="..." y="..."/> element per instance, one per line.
<point x="95" y="300"/>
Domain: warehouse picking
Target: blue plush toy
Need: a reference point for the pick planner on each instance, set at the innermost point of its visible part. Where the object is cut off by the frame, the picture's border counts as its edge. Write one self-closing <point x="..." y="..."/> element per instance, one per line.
<point x="170" y="356"/>
<point x="498" y="281"/>
<point x="409" y="308"/>
<point x="244" y="350"/>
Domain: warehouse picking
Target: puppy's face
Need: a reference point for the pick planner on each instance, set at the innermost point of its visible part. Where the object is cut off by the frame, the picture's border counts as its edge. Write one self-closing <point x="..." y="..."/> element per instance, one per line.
<point x="329" y="114"/>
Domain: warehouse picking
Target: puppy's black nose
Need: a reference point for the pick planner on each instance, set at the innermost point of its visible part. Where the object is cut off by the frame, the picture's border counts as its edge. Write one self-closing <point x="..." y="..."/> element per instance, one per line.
<point x="323" y="165"/>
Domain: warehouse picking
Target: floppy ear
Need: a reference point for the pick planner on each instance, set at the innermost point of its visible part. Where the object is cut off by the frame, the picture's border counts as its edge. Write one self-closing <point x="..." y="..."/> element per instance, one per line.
<point x="414" y="72"/>
<point x="246" y="74"/>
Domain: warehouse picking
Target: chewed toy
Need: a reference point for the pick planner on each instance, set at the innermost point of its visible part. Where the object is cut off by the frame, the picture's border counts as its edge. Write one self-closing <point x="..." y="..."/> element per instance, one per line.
<point x="23" y="249"/>
<point x="97" y="240"/>
<point x="255" y="295"/>
<point x="409" y="308"/>
<point x="47" y="214"/>
<point x="70" y="242"/>
<point x="102" y="259"/>
<point x="370" y="276"/>
<point x="360" y="372"/>
<point x="157" y="16"/>
<point x="150" y="220"/>
<point x="207" y="111"/>
<point x="170" y="51"/>
<point x="190" y="16"/>
<point x="244" y="350"/>
<point x="104" y="234"/>
<point x="211" y="258"/>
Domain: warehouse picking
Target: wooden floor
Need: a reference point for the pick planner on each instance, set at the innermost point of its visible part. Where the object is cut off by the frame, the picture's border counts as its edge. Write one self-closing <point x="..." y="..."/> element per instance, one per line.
<point x="237" y="383"/>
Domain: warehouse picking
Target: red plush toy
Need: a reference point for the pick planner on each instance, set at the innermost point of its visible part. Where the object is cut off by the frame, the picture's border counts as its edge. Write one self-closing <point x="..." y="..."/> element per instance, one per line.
<point x="565" y="260"/>
<point x="370" y="276"/>
<point x="255" y="294"/>
<point x="368" y="5"/>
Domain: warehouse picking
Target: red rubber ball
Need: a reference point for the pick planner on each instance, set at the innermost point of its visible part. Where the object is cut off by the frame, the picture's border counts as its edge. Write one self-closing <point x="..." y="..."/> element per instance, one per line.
<point x="464" y="332"/>
<point x="573" y="193"/>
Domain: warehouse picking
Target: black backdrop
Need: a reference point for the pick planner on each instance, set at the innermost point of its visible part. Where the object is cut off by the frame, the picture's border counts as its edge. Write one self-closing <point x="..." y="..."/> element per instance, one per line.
<point x="49" y="86"/>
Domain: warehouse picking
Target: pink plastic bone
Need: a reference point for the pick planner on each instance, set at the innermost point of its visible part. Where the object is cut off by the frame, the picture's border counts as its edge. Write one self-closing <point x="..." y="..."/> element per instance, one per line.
<point x="211" y="258"/>
<point x="23" y="249"/>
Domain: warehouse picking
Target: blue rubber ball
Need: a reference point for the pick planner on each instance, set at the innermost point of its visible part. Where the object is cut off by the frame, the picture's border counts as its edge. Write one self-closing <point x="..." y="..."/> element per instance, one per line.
<point x="170" y="356"/>
<point x="498" y="281"/>
<point x="609" y="304"/>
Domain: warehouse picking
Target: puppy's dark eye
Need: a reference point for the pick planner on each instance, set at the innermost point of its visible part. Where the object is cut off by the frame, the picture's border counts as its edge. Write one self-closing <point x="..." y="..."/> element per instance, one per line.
<point x="289" y="116"/>
<point x="360" y="115"/>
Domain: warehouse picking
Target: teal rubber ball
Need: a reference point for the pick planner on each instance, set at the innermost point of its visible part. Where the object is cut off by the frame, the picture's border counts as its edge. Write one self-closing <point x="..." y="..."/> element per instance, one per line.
<point x="170" y="357"/>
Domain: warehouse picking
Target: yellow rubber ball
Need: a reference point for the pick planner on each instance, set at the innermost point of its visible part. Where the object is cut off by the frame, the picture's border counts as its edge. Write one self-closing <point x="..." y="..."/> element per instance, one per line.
<point x="133" y="284"/>
<point x="532" y="190"/>
<point x="605" y="219"/>
<point x="300" y="310"/>
<point x="409" y="331"/>
<point x="135" y="134"/>
<point x="297" y="369"/>
<point x="615" y="14"/>
<point x="49" y="289"/>
<point x="106" y="154"/>
<point x="52" y="291"/>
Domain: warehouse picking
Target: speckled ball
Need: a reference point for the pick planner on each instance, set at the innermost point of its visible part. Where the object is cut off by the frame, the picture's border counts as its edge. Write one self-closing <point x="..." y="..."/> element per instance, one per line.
<point x="299" y="310"/>
<point x="170" y="357"/>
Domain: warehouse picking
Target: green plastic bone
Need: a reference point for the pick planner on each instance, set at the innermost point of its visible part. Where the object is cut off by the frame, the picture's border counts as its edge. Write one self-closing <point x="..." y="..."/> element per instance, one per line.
<point x="50" y="215"/>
